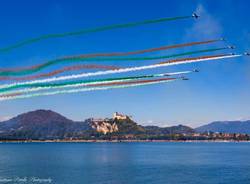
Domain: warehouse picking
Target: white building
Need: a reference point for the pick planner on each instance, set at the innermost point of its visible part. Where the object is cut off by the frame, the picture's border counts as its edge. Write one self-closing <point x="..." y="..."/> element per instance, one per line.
<point x="119" y="116"/>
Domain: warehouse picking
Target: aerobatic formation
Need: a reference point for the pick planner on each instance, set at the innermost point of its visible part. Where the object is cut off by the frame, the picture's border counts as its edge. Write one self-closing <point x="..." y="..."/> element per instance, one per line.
<point x="49" y="78"/>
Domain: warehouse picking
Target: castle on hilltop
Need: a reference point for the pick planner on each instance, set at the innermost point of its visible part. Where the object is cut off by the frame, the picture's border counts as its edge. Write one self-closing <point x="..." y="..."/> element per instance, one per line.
<point x="119" y="116"/>
<point x="107" y="125"/>
<point x="116" y="115"/>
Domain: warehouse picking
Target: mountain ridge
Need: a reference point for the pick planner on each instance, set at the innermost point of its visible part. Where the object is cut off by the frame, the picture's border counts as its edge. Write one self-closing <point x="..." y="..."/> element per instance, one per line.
<point x="47" y="124"/>
<point x="226" y="127"/>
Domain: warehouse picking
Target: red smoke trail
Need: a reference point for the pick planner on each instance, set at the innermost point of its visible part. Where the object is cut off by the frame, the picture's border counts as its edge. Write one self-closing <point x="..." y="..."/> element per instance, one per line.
<point x="107" y="84"/>
<point x="79" y="67"/>
<point x="113" y="54"/>
<point x="70" y="68"/>
<point x="10" y="95"/>
<point x="131" y="82"/>
<point x="140" y="51"/>
<point x="192" y="58"/>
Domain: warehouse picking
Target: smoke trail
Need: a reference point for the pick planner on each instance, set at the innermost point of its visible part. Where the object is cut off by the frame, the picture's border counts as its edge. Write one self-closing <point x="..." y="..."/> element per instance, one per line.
<point x="123" y="70"/>
<point x="9" y="73"/>
<point x="55" y="72"/>
<point x="44" y="86"/>
<point x="86" y="31"/>
<point x="84" y="89"/>
<point x="36" y="68"/>
<point x="146" y="50"/>
<point x="10" y="95"/>
<point x="132" y="82"/>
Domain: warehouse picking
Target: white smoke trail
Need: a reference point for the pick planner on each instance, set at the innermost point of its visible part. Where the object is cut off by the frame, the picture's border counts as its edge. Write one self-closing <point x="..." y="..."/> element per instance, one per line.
<point x="122" y="70"/>
<point x="84" y="83"/>
<point x="82" y="90"/>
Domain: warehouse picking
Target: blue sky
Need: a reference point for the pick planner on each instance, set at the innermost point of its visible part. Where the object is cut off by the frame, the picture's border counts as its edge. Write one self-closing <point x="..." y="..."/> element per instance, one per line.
<point x="221" y="91"/>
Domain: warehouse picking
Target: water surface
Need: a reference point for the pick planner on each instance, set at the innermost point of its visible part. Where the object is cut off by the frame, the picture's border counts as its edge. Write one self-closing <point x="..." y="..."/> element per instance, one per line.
<point x="123" y="163"/>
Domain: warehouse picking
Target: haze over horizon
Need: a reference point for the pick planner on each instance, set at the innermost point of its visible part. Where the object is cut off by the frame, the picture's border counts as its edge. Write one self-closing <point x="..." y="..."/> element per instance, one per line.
<point x="219" y="92"/>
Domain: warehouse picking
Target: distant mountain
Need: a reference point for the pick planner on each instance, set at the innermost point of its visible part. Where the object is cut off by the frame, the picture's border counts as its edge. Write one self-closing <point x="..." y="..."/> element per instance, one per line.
<point x="41" y="124"/>
<point x="180" y="129"/>
<point x="46" y="124"/>
<point x="226" y="127"/>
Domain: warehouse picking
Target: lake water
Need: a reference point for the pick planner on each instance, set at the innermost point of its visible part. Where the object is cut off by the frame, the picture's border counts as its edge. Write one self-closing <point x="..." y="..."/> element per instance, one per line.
<point x="125" y="163"/>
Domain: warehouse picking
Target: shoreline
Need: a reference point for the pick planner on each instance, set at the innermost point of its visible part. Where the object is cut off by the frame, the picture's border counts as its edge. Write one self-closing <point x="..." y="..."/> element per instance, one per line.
<point x="124" y="141"/>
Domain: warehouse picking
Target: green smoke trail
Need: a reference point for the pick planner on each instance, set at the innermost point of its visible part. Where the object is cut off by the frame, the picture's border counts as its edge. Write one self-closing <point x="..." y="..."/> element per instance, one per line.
<point x="52" y="62"/>
<point x="130" y="69"/>
<point x="82" y="82"/>
<point x="84" y="90"/>
<point x="92" y="30"/>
